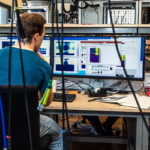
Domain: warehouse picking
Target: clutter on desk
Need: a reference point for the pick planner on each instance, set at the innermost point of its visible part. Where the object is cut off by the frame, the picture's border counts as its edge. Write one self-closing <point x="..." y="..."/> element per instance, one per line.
<point x="128" y="100"/>
<point x="147" y="91"/>
<point x="99" y="93"/>
<point x="107" y="99"/>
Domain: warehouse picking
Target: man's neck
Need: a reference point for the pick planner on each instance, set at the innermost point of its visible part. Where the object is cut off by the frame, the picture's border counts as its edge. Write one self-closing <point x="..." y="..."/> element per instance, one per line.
<point x="24" y="46"/>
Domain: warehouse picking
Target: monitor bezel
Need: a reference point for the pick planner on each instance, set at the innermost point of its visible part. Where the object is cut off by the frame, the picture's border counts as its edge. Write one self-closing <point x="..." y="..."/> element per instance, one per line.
<point x="106" y="77"/>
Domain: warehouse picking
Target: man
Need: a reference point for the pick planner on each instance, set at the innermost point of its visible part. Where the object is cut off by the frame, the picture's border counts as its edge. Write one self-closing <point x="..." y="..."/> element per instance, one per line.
<point x="37" y="71"/>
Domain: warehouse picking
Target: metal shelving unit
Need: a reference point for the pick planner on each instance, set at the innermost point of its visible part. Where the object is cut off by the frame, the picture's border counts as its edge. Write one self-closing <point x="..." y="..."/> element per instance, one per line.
<point x="102" y="28"/>
<point x="89" y="29"/>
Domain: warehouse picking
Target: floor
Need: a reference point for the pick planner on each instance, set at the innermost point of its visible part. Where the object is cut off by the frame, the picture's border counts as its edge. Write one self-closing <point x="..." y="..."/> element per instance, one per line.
<point x="93" y="146"/>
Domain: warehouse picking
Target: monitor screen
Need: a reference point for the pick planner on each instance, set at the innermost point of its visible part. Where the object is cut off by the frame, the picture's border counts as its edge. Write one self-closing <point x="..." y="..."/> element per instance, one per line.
<point x="96" y="57"/>
<point x="5" y="41"/>
<point x="44" y="49"/>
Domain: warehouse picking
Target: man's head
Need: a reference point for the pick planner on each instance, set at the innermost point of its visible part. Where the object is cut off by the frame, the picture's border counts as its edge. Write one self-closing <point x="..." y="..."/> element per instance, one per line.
<point x="33" y="26"/>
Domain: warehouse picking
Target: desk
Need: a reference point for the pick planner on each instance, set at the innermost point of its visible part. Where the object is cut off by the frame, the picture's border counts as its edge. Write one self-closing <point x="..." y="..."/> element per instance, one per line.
<point x="81" y="106"/>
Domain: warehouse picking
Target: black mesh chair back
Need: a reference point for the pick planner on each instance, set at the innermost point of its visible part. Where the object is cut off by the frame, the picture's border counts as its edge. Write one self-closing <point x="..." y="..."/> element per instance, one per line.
<point x="19" y="126"/>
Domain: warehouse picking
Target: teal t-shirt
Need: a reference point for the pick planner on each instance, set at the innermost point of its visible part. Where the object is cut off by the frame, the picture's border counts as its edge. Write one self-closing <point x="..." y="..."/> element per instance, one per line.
<point x="37" y="71"/>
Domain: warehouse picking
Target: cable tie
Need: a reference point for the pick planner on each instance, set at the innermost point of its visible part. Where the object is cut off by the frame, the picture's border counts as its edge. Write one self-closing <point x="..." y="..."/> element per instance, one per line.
<point x="16" y="8"/>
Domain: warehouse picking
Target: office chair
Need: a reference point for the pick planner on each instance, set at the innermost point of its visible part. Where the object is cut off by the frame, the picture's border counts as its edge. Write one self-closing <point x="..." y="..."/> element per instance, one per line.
<point x="19" y="127"/>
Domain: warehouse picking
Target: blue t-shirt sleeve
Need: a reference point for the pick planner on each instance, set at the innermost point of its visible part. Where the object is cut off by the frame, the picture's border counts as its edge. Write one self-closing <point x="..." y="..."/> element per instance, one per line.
<point x="47" y="70"/>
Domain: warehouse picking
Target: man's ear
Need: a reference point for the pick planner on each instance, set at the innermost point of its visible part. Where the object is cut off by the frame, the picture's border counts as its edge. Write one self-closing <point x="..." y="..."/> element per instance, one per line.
<point x="35" y="36"/>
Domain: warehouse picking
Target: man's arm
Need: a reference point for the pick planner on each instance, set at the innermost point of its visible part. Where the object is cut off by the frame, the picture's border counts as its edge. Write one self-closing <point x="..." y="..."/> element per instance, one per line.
<point x="50" y="98"/>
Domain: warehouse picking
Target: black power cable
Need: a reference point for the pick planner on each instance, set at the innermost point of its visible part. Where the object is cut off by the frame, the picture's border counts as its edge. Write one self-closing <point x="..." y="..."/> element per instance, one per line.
<point x="52" y="38"/>
<point x="124" y="69"/>
<point x="21" y="38"/>
<point x="9" y="81"/>
<point x="63" y="80"/>
<point x="64" y="105"/>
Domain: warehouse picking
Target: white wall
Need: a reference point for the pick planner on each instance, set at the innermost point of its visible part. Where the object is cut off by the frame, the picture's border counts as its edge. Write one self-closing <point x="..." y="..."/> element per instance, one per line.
<point x="3" y="15"/>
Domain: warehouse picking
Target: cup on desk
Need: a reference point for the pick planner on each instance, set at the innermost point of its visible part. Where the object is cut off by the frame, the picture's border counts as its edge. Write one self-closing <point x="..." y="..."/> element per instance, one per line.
<point x="147" y="91"/>
<point x="54" y="84"/>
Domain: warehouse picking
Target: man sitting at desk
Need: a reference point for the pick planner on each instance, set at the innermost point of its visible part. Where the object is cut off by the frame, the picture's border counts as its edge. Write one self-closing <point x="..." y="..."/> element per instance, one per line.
<point x="37" y="71"/>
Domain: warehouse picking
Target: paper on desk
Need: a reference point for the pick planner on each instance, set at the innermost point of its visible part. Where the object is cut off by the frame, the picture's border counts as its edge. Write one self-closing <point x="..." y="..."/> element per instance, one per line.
<point x="144" y="101"/>
<point x="129" y="100"/>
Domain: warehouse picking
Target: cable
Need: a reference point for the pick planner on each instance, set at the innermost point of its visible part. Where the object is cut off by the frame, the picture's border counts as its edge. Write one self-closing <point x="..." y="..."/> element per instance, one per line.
<point x="140" y="88"/>
<point x="121" y="90"/>
<point x="77" y="83"/>
<point x="3" y="124"/>
<point x="114" y="91"/>
<point x="88" y="5"/>
<point x="74" y="84"/>
<point x="63" y="83"/>
<point x="88" y="85"/>
<point x="136" y="90"/>
<point x="76" y="6"/>
<point x="113" y="84"/>
<point x="52" y="39"/>
<point x="67" y="87"/>
<point x="64" y="105"/>
<point x="9" y="81"/>
<point x="21" y="37"/>
<point x="124" y="69"/>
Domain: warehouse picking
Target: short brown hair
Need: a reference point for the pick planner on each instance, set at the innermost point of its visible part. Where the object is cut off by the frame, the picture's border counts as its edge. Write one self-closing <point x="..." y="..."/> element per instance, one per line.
<point x="32" y="23"/>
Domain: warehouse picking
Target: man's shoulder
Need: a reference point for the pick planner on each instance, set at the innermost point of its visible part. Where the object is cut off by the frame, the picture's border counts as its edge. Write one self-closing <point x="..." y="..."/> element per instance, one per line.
<point x="4" y="50"/>
<point x="47" y="66"/>
<point x="7" y="48"/>
<point x="44" y="64"/>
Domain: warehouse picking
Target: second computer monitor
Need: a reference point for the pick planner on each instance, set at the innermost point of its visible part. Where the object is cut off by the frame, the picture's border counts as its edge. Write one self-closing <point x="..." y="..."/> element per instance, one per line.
<point x="44" y="49"/>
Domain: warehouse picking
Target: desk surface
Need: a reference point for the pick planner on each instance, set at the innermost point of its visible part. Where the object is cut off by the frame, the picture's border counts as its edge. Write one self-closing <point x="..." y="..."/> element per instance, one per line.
<point x="81" y="104"/>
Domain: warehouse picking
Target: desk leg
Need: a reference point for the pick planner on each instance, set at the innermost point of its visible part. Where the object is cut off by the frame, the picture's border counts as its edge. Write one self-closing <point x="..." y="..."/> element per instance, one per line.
<point x="145" y="134"/>
<point x="131" y="123"/>
<point x="139" y="127"/>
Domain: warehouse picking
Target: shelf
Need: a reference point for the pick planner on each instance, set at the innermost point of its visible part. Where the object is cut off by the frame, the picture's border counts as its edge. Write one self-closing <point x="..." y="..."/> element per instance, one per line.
<point x="88" y="29"/>
<point x="95" y="29"/>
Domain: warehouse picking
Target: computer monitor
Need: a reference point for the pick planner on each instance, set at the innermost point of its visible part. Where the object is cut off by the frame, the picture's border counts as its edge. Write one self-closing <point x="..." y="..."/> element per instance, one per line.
<point x="96" y="57"/>
<point x="5" y="41"/>
<point x="44" y="49"/>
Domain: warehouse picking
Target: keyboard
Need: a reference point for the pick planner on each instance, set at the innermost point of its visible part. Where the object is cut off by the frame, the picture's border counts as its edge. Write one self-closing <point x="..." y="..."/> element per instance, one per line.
<point x="69" y="97"/>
